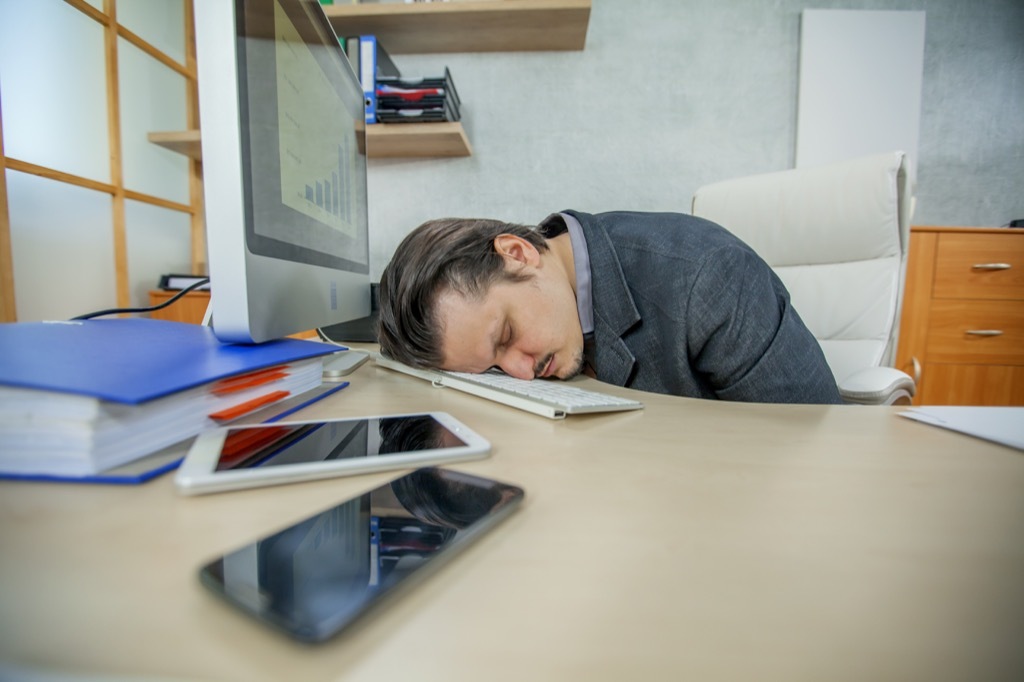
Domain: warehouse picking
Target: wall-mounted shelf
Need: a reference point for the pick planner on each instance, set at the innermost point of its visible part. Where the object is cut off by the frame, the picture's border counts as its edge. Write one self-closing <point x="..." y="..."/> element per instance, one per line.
<point x="184" y="142"/>
<point x="467" y="26"/>
<point x="397" y="140"/>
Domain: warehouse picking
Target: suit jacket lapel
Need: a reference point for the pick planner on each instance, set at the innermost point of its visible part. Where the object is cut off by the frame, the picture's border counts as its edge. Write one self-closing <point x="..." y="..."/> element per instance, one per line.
<point x="615" y="313"/>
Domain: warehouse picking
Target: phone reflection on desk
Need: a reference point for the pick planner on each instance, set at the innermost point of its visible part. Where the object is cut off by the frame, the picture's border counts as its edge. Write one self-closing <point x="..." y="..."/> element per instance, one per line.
<point x="315" y="577"/>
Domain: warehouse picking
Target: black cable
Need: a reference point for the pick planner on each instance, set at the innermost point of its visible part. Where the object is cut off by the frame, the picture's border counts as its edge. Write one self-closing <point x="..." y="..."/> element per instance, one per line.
<point x="172" y="299"/>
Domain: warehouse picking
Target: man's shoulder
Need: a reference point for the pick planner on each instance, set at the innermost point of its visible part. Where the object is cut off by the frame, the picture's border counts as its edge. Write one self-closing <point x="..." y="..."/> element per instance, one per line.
<point x="658" y="230"/>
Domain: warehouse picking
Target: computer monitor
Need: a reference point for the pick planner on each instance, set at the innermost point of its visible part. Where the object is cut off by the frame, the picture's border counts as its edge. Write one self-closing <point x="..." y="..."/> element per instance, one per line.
<point x="284" y="169"/>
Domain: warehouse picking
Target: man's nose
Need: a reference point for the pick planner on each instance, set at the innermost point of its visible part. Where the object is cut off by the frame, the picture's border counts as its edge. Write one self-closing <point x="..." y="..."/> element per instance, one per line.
<point x="517" y="364"/>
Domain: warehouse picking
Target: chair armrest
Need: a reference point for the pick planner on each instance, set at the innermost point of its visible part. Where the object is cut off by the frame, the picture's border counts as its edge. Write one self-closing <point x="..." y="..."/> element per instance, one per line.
<point x="878" y="386"/>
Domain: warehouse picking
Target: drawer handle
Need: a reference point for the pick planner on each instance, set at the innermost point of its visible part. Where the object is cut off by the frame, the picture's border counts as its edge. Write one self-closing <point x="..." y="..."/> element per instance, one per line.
<point x="990" y="266"/>
<point x="985" y="332"/>
<point x="917" y="370"/>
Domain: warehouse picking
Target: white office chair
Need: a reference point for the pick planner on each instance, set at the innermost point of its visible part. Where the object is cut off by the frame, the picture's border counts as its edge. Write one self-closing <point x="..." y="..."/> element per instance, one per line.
<point x="837" y="236"/>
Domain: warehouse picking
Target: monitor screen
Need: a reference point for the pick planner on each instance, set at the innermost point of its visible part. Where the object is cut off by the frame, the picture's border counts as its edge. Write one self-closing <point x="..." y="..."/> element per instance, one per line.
<point x="284" y="166"/>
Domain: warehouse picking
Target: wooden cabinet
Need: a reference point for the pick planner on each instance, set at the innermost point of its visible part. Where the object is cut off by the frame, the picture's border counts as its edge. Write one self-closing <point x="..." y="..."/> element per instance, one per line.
<point x="962" y="328"/>
<point x="189" y="308"/>
<point x="192" y="307"/>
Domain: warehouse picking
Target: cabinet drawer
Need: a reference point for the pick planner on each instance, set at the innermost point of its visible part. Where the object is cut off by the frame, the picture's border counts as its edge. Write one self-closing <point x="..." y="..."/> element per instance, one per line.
<point x="963" y="331"/>
<point x="943" y="384"/>
<point x="972" y="266"/>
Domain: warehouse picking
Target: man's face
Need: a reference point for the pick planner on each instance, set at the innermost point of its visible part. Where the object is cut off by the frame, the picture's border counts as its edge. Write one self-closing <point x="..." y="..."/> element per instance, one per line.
<point x="529" y="329"/>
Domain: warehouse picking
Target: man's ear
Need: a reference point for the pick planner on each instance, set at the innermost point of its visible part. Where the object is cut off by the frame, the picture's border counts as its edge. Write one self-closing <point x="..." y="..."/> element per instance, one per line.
<point x="516" y="250"/>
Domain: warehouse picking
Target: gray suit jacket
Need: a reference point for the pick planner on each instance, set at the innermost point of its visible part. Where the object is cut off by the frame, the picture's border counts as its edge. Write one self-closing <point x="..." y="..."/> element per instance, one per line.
<point x="681" y="306"/>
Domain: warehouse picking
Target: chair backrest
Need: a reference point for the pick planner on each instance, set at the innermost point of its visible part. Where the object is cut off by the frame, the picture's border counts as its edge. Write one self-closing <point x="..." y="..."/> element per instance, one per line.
<point x="837" y="236"/>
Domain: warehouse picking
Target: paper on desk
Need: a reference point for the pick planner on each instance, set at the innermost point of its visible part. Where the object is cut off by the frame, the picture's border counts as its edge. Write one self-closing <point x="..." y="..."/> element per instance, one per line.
<point x="999" y="424"/>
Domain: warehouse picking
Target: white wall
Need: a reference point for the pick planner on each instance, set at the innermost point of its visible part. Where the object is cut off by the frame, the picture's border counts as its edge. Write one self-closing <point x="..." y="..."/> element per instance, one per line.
<point x="670" y="95"/>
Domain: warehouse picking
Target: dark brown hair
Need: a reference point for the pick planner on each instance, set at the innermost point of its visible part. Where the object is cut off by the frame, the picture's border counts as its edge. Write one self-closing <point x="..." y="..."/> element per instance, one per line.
<point x="449" y="253"/>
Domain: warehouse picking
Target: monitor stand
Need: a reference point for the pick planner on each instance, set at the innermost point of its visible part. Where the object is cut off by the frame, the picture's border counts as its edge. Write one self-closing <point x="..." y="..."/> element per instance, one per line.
<point x="362" y="330"/>
<point x="340" y="364"/>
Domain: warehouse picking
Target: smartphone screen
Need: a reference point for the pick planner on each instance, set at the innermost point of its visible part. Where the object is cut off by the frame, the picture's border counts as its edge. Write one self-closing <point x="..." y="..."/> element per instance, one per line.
<point x="313" y="579"/>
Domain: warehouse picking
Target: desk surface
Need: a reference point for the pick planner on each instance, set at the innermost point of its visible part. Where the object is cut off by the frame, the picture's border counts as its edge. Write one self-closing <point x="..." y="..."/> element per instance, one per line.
<point x="690" y="540"/>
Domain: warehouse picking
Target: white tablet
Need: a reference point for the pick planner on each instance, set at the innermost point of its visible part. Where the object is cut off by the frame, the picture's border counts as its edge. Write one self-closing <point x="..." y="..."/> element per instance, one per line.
<point x="237" y="457"/>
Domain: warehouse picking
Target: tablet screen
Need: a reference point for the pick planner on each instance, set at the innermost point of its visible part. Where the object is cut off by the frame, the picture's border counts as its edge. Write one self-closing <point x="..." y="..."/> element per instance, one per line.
<point x="287" y="444"/>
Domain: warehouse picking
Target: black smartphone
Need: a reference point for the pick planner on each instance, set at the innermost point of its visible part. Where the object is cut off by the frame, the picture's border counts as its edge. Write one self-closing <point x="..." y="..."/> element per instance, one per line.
<point x="313" y="579"/>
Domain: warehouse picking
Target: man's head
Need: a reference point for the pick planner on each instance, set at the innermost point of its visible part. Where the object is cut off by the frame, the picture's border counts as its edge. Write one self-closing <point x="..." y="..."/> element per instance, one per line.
<point x="467" y="294"/>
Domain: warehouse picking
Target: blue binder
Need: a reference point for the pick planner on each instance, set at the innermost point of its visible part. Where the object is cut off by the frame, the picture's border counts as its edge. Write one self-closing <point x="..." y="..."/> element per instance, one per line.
<point x="132" y="361"/>
<point x="368" y="74"/>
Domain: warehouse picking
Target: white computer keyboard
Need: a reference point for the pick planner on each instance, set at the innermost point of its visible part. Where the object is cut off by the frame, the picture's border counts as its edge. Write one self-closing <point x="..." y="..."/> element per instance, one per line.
<point x="552" y="399"/>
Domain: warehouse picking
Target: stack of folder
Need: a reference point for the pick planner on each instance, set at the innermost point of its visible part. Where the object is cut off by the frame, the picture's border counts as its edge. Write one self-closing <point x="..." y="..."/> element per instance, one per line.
<point x="405" y="100"/>
<point x="81" y="398"/>
<point x="392" y="98"/>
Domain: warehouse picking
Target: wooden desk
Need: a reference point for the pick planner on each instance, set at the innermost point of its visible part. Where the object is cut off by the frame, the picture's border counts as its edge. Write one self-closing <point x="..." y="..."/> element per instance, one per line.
<point x="690" y="540"/>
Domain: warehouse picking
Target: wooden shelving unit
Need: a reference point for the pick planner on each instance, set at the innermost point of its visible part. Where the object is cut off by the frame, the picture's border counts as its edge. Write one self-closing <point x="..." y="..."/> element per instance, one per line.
<point x="458" y="26"/>
<point x="467" y="25"/>
<point x="396" y="140"/>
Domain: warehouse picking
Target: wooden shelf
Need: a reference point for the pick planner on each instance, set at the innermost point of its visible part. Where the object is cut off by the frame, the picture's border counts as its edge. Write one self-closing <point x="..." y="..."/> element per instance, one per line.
<point x="458" y="26"/>
<point x="396" y="140"/>
<point x="184" y="142"/>
<point x="467" y="26"/>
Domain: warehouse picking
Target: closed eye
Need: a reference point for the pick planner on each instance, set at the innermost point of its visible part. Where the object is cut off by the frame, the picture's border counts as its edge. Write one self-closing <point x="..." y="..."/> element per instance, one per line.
<point x="504" y="340"/>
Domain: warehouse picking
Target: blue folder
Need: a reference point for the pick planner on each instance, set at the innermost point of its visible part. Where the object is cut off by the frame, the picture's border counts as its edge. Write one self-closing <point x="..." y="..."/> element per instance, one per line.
<point x="132" y="361"/>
